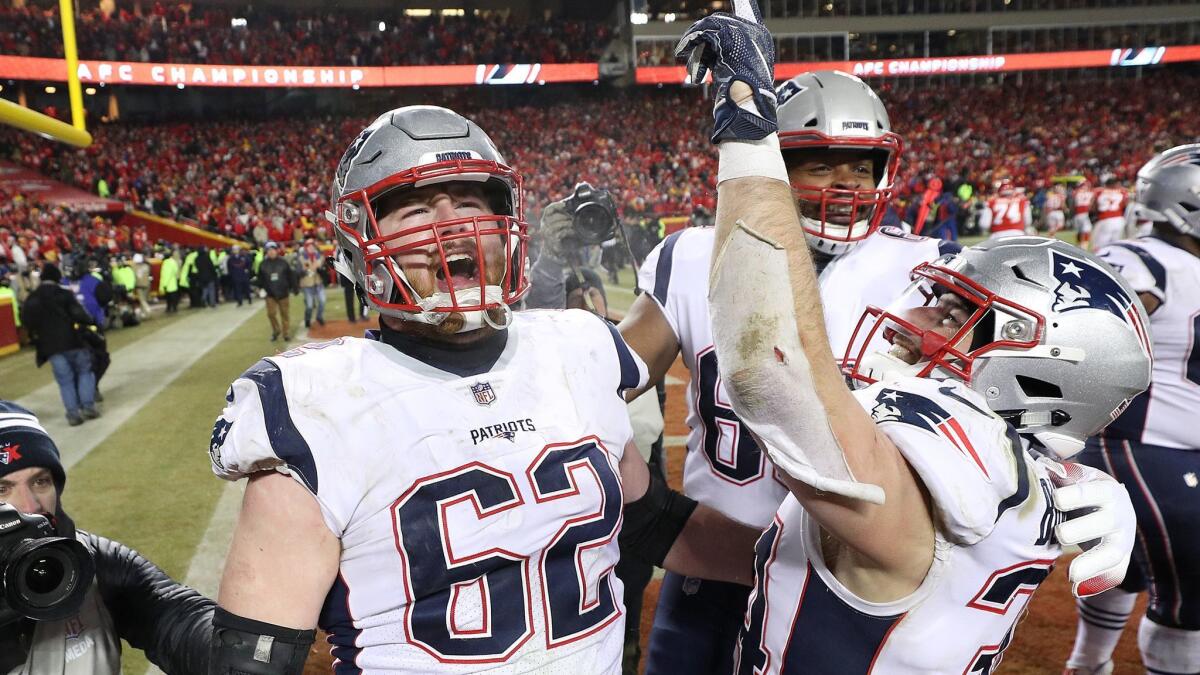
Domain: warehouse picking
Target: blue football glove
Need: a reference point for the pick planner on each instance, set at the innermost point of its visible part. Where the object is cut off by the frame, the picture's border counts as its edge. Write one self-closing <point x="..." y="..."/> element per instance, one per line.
<point x="736" y="49"/>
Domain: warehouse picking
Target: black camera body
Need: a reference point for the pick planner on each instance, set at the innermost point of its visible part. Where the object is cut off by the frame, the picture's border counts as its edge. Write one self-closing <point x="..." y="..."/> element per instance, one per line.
<point x="43" y="576"/>
<point x="593" y="214"/>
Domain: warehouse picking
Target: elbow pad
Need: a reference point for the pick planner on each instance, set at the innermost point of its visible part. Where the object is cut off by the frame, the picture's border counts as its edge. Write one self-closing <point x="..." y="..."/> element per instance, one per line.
<point x="653" y="523"/>
<point x="242" y="646"/>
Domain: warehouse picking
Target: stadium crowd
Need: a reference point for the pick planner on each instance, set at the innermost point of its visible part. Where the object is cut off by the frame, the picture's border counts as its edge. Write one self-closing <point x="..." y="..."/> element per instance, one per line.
<point x="218" y="176"/>
<point x="181" y="33"/>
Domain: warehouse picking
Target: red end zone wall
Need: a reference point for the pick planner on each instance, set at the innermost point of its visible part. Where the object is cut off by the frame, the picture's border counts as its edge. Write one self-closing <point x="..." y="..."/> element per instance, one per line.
<point x="177" y="233"/>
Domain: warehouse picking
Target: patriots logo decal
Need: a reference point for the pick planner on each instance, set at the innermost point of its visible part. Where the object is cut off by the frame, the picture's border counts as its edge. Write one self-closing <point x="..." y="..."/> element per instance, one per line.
<point x="892" y="405"/>
<point x="1083" y="285"/>
<point x="9" y="454"/>
<point x="787" y="90"/>
<point x="220" y="431"/>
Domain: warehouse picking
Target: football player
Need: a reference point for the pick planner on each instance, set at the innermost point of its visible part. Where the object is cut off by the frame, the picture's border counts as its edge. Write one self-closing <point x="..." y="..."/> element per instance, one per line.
<point x="1110" y="214"/>
<point x="1081" y="200"/>
<point x="446" y="495"/>
<point x="1152" y="447"/>
<point x="849" y="581"/>
<point x="1008" y="213"/>
<point x="1052" y="210"/>
<point x="842" y="160"/>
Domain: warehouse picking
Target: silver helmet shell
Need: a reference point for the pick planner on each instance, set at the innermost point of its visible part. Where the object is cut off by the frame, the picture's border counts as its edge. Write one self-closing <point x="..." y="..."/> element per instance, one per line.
<point x="413" y="147"/>
<point x="1168" y="189"/>
<point x="831" y="109"/>
<point x="1056" y="341"/>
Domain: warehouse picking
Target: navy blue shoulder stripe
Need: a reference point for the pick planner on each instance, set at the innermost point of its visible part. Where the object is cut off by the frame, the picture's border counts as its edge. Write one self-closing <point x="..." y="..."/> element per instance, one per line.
<point x="1156" y="268"/>
<point x="1017" y="449"/>
<point x="947" y="247"/>
<point x="285" y="439"/>
<point x="630" y="377"/>
<point x="662" y="273"/>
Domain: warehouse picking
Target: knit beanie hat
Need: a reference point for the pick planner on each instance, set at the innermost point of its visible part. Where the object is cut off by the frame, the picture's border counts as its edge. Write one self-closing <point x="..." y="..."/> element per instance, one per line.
<point x="24" y="444"/>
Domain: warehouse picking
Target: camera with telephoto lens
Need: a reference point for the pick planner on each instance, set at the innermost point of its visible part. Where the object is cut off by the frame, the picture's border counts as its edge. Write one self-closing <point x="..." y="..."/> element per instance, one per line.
<point x="593" y="214"/>
<point x="42" y="576"/>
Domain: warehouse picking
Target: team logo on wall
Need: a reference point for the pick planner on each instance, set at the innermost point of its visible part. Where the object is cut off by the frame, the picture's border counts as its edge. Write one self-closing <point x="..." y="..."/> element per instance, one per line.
<point x="483" y="393"/>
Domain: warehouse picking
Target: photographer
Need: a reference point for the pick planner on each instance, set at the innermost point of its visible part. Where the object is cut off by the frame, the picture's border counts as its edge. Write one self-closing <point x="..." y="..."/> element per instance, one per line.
<point x="560" y="277"/>
<point x="129" y="598"/>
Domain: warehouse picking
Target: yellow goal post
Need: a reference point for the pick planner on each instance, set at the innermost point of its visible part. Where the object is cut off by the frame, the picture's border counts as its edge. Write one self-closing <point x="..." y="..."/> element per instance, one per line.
<point x="19" y="116"/>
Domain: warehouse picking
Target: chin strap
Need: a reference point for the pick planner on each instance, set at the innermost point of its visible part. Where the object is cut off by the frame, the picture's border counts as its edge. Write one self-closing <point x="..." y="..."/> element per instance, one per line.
<point x="827" y="246"/>
<point x="472" y="320"/>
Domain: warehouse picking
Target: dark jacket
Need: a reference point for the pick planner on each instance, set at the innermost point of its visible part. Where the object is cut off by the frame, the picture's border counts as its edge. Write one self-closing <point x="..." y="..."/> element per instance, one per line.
<point x="170" y="622"/>
<point x="206" y="272"/>
<point x="277" y="277"/>
<point x="50" y="314"/>
<point x="239" y="267"/>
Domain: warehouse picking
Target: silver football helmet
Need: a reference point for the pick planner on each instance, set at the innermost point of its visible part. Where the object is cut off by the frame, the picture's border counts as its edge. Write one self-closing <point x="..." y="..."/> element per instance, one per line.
<point x="830" y="109"/>
<point x="1168" y="189"/>
<point x="413" y="147"/>
<point x="1050" y="335"/>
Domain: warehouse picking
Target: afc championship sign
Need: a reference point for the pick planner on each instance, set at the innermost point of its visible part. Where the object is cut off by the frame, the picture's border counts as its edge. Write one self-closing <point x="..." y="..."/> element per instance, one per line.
<point x="217" y="75"/>
<point x="200" y="75"/>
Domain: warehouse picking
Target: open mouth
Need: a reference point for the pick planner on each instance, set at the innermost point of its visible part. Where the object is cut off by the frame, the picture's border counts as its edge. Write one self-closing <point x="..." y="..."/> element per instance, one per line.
<point x="904" y="346"/>
<point x="463" y="272"/>
<point x="838" y="215"/>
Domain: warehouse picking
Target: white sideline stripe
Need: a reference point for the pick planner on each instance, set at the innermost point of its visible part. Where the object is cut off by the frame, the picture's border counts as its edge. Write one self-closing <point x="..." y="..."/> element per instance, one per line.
<point x="139" y="371"/>
<point x="204" y="572"/>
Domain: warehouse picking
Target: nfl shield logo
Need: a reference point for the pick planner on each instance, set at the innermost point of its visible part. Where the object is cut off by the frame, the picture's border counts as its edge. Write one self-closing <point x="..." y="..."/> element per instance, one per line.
<point x="483" y="393"/>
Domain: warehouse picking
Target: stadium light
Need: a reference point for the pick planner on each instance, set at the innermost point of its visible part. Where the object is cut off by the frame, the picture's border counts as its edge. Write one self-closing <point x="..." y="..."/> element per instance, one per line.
<point x="382" y="26"/>
<point x="179" y="85"/>
<point x="237" y="22"/>
<point x="951" y="32"/>
<point x="639" y="18"/>
<point x="50" y="89"/>
<point x="669" y="17"/>
<point x="454" y="11"/>
<point x="412" y="11"/>
<point x="90" y="91"/>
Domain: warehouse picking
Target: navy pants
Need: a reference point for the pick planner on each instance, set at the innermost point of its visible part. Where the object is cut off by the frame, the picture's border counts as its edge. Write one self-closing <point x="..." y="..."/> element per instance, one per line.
<point x="696" y="626"/>
<point x="1164" y="484"/>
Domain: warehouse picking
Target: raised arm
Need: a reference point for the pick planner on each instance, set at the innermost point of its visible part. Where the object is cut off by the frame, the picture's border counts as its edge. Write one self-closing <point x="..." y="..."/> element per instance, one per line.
<point x="768" y="328"/>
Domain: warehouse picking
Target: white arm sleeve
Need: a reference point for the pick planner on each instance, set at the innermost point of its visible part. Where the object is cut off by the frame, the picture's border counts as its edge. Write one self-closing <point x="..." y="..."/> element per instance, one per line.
<point x="780" y="403"/>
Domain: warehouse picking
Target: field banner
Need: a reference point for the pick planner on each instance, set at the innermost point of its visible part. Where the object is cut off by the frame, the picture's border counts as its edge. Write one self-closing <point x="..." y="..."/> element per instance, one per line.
<point x="958" y="65"/>
<point x="206" y="75"/>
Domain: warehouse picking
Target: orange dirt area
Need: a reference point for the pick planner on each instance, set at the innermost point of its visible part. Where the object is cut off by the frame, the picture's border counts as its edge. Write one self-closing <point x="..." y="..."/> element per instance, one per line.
<point x="1044" y="636"/>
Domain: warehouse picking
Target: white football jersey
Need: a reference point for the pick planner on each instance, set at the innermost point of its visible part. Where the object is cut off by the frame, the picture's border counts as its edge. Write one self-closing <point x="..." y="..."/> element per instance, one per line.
<point x="724" y="467"/>
<point x="994" y="544"/>
<point x="1163" y="414"/>
<point x="478" y="515"/>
